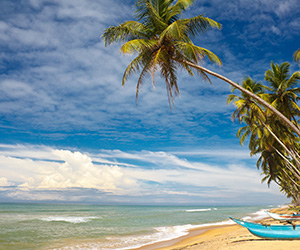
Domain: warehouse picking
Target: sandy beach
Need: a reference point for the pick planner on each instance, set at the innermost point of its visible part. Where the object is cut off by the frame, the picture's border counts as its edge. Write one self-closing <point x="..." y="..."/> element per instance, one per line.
<point x="225" y="238"/>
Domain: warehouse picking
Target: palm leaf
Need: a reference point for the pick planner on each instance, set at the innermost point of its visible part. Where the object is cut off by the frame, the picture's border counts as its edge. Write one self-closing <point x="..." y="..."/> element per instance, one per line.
<point x="200" y="24"/>
<point x="146" y="13"/>
<point x="124" y="32"/>
<point x="177" y="9"/>
<point x="137" y="45"/>
<point x="296" y="56"/>
<point x="195" y="53"/>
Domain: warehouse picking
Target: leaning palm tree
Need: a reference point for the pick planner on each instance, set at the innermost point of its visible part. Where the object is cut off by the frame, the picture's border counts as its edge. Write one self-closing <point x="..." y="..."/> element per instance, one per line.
<point x="163" y="42"/>
<point x="244" y="103"/>
<point x="266" y="135"/>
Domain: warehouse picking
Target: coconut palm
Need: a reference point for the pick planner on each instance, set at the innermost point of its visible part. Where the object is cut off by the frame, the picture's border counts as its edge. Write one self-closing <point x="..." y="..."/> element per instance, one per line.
<point x="275" y="159"/>
<point x="297" y="56"/>
<point x="163" y="42"/>
<point x="244" y="103"/>
<point x="283" y="90"/>
<point x="158" y="37"/>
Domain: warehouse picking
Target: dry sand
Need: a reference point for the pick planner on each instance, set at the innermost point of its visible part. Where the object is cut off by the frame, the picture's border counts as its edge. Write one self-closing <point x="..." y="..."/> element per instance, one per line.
<point x="226" y="238"/>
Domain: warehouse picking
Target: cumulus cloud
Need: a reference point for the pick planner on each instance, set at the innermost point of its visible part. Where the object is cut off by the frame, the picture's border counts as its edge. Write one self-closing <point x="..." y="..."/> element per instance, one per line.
<point x="75" y="171"/>
<point x="36" y="171"/>
<point x="79" y="171"/>
<point x="4" y="182"/>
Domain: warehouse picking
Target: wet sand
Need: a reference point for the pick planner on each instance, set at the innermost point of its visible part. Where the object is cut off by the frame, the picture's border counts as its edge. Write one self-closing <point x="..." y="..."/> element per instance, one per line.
<point x="226" y="238"/>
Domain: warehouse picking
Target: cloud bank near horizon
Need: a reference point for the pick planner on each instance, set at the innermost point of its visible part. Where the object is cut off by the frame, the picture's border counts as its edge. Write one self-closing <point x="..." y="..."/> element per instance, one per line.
<point x="49" y="174"/>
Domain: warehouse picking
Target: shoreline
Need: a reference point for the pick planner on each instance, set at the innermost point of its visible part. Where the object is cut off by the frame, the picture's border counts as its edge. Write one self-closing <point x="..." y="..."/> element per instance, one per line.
<point x="193" y="235"/>
<point x="225" y="237"/>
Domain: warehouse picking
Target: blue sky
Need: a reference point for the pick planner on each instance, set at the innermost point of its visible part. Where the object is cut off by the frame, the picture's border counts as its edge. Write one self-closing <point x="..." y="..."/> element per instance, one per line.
<point x="71" y="132"/>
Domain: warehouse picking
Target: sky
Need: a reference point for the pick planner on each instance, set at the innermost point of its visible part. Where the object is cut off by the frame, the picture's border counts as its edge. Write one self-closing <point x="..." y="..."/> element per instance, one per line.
<point x="71" y="133"/>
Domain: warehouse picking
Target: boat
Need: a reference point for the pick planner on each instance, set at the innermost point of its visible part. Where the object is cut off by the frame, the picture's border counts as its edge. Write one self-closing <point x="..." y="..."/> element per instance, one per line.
<point x="280" y="232"/>
<point x="285" y="217"/>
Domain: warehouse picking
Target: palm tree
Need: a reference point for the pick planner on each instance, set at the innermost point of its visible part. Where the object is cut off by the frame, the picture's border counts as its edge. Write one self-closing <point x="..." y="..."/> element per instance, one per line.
<point x="297" y="56"/>
<point x="284" y="93"/>
<point x="244" y="103"/>
<point x="163" y="43"/>
<point x="274" y="161"/>
<point x="159" y="36"/>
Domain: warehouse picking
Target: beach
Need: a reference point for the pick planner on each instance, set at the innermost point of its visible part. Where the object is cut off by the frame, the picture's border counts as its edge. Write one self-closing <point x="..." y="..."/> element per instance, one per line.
<point x="82" y="226"/>
<point x="226" y="238"/>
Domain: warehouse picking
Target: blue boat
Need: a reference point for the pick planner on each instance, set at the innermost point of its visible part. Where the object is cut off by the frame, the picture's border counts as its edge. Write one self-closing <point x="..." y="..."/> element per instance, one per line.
<point x="280" y="232"/>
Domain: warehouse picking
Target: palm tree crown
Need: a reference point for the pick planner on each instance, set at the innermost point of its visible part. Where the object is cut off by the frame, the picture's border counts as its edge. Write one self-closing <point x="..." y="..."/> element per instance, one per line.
<point x="163" y="43"/>
<point x="161" y="40"/>
<point x="284" y="90"/>
<point x="297" y="56"/>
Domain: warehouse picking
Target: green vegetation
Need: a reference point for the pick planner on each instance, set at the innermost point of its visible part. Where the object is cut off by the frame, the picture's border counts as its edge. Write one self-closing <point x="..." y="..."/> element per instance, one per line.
<point x="297" y="56"/>
<point x="163" y="43"/>
<point x="294" y="209"/>
<point x="276" y="144"/>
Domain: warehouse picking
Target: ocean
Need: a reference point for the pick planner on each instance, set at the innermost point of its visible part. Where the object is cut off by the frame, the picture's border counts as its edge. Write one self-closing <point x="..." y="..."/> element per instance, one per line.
<point x="69" y="226"/>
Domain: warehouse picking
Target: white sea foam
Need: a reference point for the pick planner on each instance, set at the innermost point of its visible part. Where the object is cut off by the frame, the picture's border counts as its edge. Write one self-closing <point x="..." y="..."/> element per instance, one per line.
<point x="200" y="209"/>
<point x="136" y="241"/>
<point x="259" y="215"/>
<point x="159" y="234"/>
<point x="70" y="219"/>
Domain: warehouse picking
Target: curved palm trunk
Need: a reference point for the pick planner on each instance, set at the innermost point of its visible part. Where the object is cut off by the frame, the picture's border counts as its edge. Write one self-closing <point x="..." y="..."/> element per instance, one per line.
<point x="289" y="165"/>
<point x="295" y="184"/>
<point x="257" y="98"/>
<point x="291" y="153"/>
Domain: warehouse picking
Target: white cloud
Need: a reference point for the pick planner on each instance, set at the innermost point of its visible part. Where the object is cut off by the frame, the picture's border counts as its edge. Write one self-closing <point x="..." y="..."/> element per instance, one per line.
<point x="4" y="182"/>
<point x="46" y="169"/>
<point x="59" y="78"/>
<point x="79" y="171"/>
<point x="76" y="171"/>
<point x="275" y="30"/>
<point x="284" y="7"/>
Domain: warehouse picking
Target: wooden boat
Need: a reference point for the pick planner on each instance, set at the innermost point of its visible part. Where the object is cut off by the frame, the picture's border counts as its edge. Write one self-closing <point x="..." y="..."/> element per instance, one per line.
<point x="283" y="232"/>
<point x="285" y="217"/>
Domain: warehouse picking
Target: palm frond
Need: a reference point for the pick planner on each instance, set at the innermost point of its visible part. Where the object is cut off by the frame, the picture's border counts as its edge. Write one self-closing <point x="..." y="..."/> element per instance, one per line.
<point x="294" y="79"/>
<point x="148" y="15"/>
<point x="200" y="24"/>
<point x="187" y="68"/>
<point x="133" y="67"/>
<point x="124" y="32"/>
<point x="231" y="98"/>
<point x="177" y="9"/>
<point x="176" y="31"/>
<point x="146" y="70"/>
<point x="296" y="56"/>
<point x="137" y="45"/>
<point x="195" y="53"/>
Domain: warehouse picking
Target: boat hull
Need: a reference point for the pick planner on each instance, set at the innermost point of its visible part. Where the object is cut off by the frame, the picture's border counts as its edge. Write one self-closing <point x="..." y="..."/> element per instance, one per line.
<point x="284" y="217"/>
<point x="283" y="232"/>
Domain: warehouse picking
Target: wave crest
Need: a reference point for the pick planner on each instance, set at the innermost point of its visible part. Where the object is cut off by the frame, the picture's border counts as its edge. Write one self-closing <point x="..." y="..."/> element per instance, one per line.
<point x="200" y="209"/>
<point x="70" y="219"/>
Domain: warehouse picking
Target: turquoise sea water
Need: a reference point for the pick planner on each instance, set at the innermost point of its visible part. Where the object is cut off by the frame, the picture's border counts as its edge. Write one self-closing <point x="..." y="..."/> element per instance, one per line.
<point x="58" y="226"/>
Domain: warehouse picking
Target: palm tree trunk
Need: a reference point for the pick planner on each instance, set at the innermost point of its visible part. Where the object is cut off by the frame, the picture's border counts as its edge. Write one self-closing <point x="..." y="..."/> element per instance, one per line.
<point x="282" y="144"/>
<point x="289" y="165"/>
<point x="257" y="98"/>
<point x="294" y="184"/>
